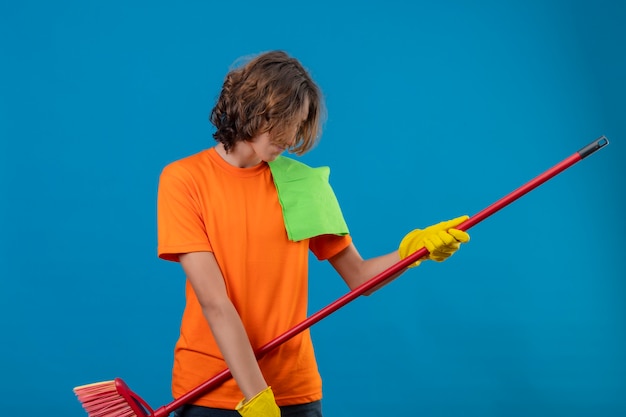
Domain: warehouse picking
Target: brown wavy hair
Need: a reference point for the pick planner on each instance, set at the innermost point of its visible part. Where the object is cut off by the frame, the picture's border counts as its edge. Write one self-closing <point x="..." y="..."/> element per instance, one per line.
<point x="268" y="94"/>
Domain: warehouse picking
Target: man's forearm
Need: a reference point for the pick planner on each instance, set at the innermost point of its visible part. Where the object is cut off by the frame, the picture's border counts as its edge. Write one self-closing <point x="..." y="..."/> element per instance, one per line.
<point x="234" y="344"/>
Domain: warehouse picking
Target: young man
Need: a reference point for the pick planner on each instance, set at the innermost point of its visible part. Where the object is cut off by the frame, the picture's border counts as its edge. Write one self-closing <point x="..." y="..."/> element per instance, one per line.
<point x="241" y="219"/>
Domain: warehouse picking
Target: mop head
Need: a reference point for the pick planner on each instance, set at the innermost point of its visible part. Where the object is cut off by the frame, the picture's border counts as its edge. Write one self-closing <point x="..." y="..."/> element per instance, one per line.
<point x="110" y="399"/>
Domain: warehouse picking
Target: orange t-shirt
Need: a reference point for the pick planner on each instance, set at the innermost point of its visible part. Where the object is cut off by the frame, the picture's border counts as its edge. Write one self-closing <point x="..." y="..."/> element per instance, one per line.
<point x="206" y="204"/>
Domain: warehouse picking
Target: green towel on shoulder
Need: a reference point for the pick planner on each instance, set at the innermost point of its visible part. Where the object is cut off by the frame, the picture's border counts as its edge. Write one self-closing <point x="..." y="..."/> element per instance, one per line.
<point x="309" y="205"/>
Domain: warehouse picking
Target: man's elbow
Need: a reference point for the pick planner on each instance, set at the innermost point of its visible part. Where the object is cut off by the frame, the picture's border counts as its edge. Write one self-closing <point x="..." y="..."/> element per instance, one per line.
<point x="216" y="309"/>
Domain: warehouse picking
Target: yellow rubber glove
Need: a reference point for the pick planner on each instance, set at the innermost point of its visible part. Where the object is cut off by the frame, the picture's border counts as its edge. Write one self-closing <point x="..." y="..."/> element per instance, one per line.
<point x="441" y="240"/>
<point x="261" y="405"/>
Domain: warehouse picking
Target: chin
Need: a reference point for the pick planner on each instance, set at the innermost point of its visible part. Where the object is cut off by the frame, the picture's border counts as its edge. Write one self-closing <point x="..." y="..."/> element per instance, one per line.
<point x="272" y="156"/>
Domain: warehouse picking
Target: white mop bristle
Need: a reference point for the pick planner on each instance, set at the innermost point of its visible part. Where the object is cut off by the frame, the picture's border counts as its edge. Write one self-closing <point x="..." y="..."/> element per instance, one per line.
<point x="102" y="399"/>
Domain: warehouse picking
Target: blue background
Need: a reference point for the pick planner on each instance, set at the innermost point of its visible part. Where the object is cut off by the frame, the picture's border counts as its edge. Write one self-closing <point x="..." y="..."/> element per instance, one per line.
<point x="435" y="110"/>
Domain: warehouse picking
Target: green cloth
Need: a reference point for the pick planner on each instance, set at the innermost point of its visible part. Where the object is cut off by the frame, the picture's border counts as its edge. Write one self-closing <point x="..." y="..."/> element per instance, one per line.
<point x="309" y="205"/>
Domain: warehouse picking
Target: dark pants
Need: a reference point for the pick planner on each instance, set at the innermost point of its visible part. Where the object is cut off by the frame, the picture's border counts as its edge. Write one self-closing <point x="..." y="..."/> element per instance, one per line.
<point x="313" y="409"/>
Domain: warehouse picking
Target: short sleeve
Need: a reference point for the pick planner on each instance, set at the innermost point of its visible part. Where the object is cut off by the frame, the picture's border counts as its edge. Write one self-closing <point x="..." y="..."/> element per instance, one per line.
<point x="180" y="224"/>
<point x="327" y="246"/>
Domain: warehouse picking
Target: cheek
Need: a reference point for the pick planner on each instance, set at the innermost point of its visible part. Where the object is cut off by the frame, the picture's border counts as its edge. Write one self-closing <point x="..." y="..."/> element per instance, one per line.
<point x="262" y="140"/>
<point x="276" y="138"/>
<point x="286" y="138"/>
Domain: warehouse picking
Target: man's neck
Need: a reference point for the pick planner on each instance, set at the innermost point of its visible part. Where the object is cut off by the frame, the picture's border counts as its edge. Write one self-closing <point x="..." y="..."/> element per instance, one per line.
<point x="240" y="156"/>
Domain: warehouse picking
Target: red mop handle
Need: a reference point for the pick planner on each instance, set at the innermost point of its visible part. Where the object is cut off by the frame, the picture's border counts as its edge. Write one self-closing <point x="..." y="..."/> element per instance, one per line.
<point x="385" y="275"/>
<point x="534" y="183"/>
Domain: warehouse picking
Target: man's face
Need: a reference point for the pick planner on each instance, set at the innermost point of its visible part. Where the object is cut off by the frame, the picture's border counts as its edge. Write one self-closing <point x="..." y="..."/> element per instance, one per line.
<point x="269" y="145"/>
